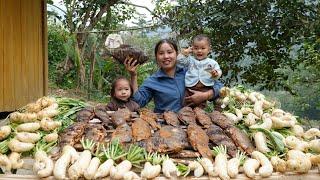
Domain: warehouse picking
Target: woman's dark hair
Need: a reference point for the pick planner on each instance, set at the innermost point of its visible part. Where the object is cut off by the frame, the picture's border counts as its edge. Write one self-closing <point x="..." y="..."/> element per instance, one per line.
<point x="169" y="41"/>
<point x="114" y="83"/>
<point x="201" y="37"/>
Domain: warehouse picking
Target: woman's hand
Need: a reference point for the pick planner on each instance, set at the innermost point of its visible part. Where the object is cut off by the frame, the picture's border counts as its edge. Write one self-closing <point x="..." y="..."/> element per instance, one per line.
<point x="131" y="65"/>
<point x="198" y="97"/>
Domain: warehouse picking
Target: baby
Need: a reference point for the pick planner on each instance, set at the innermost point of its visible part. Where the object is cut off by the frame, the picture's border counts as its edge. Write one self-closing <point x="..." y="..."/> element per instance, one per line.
<point x="121" y="93"/>
<point x="202" y="71"/>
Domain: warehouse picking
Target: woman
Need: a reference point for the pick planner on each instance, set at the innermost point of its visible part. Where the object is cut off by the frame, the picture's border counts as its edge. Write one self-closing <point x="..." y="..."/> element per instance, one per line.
<point x="166" y="86"/>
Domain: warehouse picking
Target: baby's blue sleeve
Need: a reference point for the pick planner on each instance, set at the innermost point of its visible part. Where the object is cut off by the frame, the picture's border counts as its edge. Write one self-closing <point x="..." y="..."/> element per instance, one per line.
<point x="183" y="61"/>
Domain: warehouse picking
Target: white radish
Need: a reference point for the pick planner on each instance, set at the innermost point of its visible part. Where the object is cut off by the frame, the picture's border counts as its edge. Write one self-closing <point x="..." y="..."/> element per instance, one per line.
<point x="91" y="170"/>
<point x="104" y="169"/>
<point x="257" y="108"/>
<point x="266" y="168"/>
<point x="4" y="132"/>
<point x="294" y="143"/>
<point x="221" y="162"/>
<point x="252" y="97"/>
<point x="52" y="137"/>
<point x="232" y="117"/>
<point x="17" y="146"/>
<point x="28" y="127"/>
<point x="225" y="102"/>
<point x="47" y="113"/>
<point x="197" y="168"/>
<point x="297" y="130"/>
<point x="15" y="160"/>
<point x="150" y="171"/>
<point x="278" y="164"/>
<point x="77" y="169"/>
<point x="208" y="166"/>
<point x="169" y="169"/>
<point x="239" y="114"/>
<point x="298" y="161"/>
<point x="234" y="163"/>
<point x="246" y="110"/>
<point x="267" y="124"/>
<point x="250" y="119"/>
<point x="278" y="113"/>
<point x="267" y="105"/>
<point x="46" y="101"/>
<point x="48" y="124"/>
<point x="278" y="123"/>
<point x="28" y="137"/>
<point x="60" y="167"/>
<point x="121" y="169"/>
<point x="250" y="166"/>
<point x="18" y="117"/>
<point x="314" y="145"/>
<point x="130" y="175"/>
<point x="5" y="164"/>
<point x="33" y="107"/>
<point x="43" y="166"/>
<point x="261" y="142"/>
<point x="224" y="91"/>
<point x="311" y="133"/>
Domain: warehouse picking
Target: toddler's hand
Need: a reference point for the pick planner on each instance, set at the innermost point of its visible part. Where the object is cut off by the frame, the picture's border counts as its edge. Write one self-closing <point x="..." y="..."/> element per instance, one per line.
<point x="214" y="73"/>
<point x="186" y="51"/>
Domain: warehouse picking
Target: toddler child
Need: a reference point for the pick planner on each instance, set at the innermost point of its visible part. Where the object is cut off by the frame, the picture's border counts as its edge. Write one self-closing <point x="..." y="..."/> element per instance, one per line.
<point x="202" y="70"/>
<point x="121" y="93"/>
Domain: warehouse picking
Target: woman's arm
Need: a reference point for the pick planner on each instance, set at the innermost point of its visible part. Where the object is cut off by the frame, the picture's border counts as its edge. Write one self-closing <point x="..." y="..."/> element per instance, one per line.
<point x="198" y="97"/>
<point x="131" y="66"/>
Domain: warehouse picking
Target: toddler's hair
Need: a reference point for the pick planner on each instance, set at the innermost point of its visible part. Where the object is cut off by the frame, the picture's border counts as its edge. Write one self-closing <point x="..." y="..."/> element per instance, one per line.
<point x="202" y="37"/>
<point x="114" y="83"/>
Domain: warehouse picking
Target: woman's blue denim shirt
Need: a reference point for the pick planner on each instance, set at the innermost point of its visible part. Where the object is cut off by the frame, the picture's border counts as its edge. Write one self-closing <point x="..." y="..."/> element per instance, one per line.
<point x="167" y="92"/>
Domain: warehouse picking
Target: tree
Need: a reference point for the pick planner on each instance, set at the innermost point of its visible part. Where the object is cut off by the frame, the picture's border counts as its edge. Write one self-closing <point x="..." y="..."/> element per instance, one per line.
<point x="251" y="38"/>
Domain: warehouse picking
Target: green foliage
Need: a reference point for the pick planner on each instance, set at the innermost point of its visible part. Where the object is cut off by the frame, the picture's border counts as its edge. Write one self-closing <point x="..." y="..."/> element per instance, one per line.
<point x="56" y="52"/>
<point x="249" y="38"/>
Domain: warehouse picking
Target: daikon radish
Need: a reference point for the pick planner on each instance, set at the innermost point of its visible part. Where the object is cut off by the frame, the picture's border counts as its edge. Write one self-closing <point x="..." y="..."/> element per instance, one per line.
<point x="91" y="170"/>
<point x="60" y="167"/>
<point x="225" y="102"/>
<point x="311" y="133"/>
<point x="121" y="169"/>
<point x="267" y="105"/>
<point x="197" y="168"/>
<point x="266" y="168"/>
<point x="314" y="159"/>
<point x="33" y="107"/>
<point x="224" y="91"/>
<point x="267" y="124"/>
<point x="28" y="137"/>
<point x="43" y="166"/>
<point x="250" y="119"/>
<point x="18" y="117"/>
<point x="232" y="117"/>
<point x="252" y="97"/>
<point x="130" y="175"/>
<point x="250" y="166"/>
<point x="257" y="109"/>
<point x="16" y="162"/>
<point x="246" y="110"/>
<point x="4" y="132"/>
<point x="152" y="167"/>
<point x="278" y="113"/>
<point x="208" y="166"/>
<point x="278" y="123"/>
<point x="261" y="142"/>
<point x="28" y="127"/>
<point x="239" y="114"/>
<point x="46" y="101"/>
<point x="297" y="130"/>
<point x="278" y="164"/>
<point x="314" y="145"/>
<point x="48" y="124"/>
<point x="221" y="161"/>
<point x="52" y="137"/>
<point x="294" y="143"/>
<point x="77" y="169"/>
<point x="104" y="169"/>
<point x="5" y="164"/>
<point x="17" y="146"/>
<point x="169" y="169"/>
<point x="298" y="161"/>
<point x="234" y="163"/>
